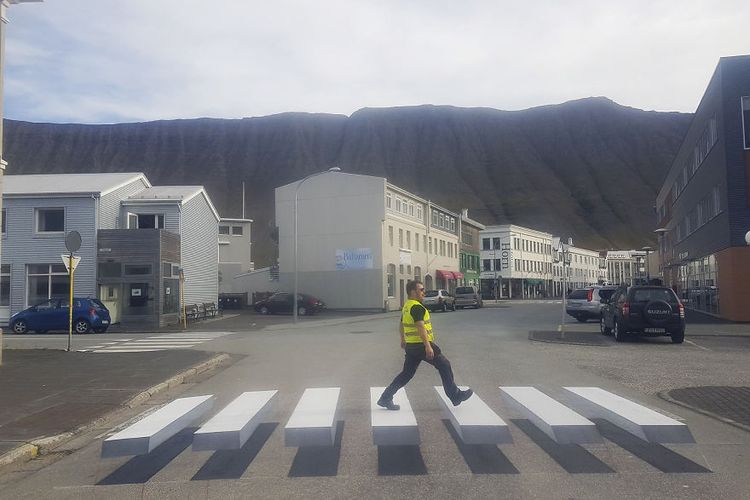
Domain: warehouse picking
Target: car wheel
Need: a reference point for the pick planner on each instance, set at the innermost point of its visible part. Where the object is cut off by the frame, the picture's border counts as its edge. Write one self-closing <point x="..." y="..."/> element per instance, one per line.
<point x="618" y="332"/>
<point x="263" y="310"/>
<point x="81" y="326"/>
<point x="302" y="311"/>
<point x="678" y="337"/>
<point x="20" y="327"/>
<point x="603" y="327"/>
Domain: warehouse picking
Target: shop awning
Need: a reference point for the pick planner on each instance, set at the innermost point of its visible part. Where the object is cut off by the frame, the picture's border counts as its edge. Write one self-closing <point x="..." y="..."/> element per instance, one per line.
<point x="448" y="275"/>
<point x="458" y="276"/>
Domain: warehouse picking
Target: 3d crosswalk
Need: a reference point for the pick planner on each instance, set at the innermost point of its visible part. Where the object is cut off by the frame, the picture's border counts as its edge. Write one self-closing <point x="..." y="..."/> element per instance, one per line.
<point x="178" y="340"/>
<point x="313" y="421"/>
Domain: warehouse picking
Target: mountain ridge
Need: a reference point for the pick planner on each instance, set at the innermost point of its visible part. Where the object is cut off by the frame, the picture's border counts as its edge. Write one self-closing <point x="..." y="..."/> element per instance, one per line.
<point x="588" y="168"/>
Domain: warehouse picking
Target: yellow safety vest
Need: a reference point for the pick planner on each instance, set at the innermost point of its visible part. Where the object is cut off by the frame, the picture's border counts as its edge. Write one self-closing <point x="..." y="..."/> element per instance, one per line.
<point x="411" y="335"/>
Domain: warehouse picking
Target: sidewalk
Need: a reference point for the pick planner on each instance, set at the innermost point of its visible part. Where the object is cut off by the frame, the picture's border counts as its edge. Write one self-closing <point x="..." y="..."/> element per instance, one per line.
<point x="47" y="396"/>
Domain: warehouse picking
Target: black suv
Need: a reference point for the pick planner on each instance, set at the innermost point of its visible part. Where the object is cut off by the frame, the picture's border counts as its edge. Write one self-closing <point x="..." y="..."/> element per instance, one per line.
<point x="644" y="310"/>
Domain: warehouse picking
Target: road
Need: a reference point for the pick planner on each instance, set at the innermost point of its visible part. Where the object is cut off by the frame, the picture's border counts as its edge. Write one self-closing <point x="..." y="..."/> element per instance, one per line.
<point x="488" y="348"/>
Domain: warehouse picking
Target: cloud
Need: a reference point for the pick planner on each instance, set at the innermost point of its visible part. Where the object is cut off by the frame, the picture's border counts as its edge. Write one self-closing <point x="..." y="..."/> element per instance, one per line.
<point x="112" y="61"/>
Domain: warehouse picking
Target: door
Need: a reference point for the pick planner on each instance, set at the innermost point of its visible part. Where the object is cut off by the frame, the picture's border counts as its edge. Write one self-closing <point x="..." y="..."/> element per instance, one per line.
<point x="280" y="303"/>
<point x="110" y="297"/>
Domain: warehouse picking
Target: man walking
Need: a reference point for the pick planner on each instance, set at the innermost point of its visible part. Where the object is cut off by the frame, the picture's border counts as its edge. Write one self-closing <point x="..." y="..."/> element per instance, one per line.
<point x="417" y="341"/>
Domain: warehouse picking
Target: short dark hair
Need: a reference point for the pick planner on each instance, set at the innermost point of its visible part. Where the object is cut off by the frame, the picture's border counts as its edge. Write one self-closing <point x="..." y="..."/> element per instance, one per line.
<point x="411" y="286"/>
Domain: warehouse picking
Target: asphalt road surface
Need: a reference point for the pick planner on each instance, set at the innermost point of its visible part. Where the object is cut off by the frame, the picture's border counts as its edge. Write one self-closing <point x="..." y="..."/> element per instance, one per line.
<point x="488" y="348"/>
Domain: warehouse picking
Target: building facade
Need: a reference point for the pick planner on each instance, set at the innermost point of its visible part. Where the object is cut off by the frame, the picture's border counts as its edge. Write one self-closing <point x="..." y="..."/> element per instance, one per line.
<point x="516" y="262"/>
<point x="126" y="270"/>
<point x="469" y="246"/>
<point x="703" y="206"/>
<point x="235" y="251"/>
<point x="360" y="239"/>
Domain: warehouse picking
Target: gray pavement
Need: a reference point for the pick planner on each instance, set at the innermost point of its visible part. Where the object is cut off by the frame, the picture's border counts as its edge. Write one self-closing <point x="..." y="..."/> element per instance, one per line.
<point x="487" y="348"/>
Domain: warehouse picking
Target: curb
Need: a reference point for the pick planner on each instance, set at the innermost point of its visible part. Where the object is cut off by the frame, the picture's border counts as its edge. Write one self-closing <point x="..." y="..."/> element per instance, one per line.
<point x="666" y="397"/>
<point x="41" y="446"/>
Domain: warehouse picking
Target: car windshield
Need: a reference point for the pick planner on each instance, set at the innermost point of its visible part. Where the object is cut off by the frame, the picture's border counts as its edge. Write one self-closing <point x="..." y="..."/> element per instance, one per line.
<point x="651" y="294"/>
<point x="464" y="289"/>
<point x="431" y="293"/>
<point x="579" y="294"/>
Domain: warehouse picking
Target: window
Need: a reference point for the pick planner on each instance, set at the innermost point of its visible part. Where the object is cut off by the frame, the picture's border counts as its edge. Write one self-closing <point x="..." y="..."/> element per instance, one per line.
<point x="388" y="200"/>
<point x="419" y="212"/>
<point x="401" y="238"/>
<point x="2" y="217"/>
<point x="746" y="120"/>
<point x="404" y="207"/>
<point x="46" y="281"/>
<point x="498" y="264"/>
<point x="146" y="221"/>
<point x="50" y="220"/>
<point x="398" y="204"/>
<point x="390" y="235"/>
<point x="441" y="218"/>
<point x="5" y="285"/>
<point x="236" y="230"/>
<point x="450" y="249"/>
<point x="408" y="269"/>
<point x="223" y="229"/>
<point x="424" y="242"/>
<point x="467" y="238"/>
<point x="416" y="242"/>
<point x="408" y="241"/>
<point x="496" y="243"/>
<point x="400" y="269"/>
<point x="486" y="265"/>
<point x="137" y="270"/>
<point x="453" y="224"/>
<point x="417" y="273"/>
<point x="485" y="243"/>
<point x="434" y="218"/>
<point x="411" y="211"/>
<point x="109" y="270"/>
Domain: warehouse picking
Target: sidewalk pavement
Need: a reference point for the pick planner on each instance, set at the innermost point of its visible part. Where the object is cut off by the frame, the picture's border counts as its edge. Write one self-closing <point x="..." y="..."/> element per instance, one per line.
<point x="47" y="396"/>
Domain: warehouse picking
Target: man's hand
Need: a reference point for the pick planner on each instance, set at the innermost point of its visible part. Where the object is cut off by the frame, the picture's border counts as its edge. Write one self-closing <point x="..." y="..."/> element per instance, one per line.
<point x="429" y="353"/>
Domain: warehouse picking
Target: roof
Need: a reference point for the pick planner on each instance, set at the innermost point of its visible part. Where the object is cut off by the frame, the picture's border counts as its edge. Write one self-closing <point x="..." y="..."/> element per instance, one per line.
<point x="176" y="194"/>
<point x="68" y="184"/>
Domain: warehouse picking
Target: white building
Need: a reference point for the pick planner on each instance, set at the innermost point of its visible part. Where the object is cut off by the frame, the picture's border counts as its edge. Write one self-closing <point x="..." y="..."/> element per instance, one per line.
<point x="360" y="239"/>
<point x="586" y="268"/>
<point x="235" y="257"/>
<point x="626" y="267"/>
<point x="516" y="262"/>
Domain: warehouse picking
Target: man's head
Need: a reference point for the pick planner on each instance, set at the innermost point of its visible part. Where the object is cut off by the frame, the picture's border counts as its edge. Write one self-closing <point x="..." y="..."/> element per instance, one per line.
<point x="415" y="290"/>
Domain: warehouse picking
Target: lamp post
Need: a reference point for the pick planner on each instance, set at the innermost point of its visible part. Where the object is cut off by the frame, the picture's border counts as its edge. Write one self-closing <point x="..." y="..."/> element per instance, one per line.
<point x="563" y="255"/>
<point x="4" y="4"/>
<point x="648" y="250"/>
<point x="296" y="259"/>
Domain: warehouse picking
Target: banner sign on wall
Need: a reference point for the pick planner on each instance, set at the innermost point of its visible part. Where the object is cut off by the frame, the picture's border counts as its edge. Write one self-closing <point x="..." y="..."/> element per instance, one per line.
<point x="348" y="259"/>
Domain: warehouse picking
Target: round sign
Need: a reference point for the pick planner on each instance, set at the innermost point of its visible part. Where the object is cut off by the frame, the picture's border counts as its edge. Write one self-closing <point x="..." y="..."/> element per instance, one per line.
<point x="73" y="241"/>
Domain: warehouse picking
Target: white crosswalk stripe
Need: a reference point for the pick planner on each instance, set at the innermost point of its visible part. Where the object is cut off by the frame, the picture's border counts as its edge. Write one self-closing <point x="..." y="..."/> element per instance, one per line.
<point x="180" y="340"/>
<point x="314" y="420"/>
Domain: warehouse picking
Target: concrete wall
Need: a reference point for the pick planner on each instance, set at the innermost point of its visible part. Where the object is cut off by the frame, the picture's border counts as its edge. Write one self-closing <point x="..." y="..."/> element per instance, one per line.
<point x="336" y="211"/>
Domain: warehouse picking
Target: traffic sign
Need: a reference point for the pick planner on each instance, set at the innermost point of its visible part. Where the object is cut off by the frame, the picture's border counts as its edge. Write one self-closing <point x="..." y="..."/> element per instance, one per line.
<point x="73" y="241"/>
<point x="66" y="261"/>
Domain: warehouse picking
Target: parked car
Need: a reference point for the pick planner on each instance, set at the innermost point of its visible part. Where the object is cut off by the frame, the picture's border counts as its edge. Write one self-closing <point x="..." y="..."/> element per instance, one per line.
<point x="439" y="300"/>
<point x="468" y="296"/>
<point x="281" y="302"/>
<point x="644" y="310"/>
<point x="585" y="303"/>
<point x="88" y="315"/>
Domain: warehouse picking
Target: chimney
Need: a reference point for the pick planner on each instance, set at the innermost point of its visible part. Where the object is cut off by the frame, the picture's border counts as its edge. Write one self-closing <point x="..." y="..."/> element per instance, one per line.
<point x="464" y="213"/>
<point x="570" y="241"/>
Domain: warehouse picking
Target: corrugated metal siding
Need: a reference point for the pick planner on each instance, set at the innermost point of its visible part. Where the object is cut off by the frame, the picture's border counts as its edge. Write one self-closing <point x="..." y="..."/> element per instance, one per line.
<point x="109" y="204"/>
<point x="22" y="246"/>
<point x="171" y="213"/>
<point x="200" y="252"/>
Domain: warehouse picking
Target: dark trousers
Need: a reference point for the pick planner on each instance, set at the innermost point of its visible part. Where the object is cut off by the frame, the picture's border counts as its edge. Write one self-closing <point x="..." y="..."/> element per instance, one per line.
<point x="414" y="355"/>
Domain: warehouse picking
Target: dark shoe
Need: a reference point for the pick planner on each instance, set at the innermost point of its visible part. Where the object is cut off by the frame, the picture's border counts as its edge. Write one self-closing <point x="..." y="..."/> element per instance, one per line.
<point x="462" y="396"/>
<point x="388" y="404"/>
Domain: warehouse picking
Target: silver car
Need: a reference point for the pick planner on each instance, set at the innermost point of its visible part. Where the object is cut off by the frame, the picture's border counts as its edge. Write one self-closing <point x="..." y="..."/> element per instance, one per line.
<point x="585" y="303"/>
<point x="468" y="296"/>
<point x="439" y="300"/>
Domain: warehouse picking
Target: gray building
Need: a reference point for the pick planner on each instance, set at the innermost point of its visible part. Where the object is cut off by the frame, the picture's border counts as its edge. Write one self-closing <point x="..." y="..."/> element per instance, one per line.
<point x="40" y="210"/>
<point x="703" y="206"/>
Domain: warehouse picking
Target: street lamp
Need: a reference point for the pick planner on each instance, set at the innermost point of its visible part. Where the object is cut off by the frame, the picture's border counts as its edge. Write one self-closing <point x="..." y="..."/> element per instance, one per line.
<point x="648" y="250"/>
<point x="296" y="260"/>
<point x="563" y="256"/>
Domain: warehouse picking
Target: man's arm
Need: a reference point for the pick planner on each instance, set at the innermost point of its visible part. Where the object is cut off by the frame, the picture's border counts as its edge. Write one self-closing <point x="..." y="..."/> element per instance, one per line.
<point x="429" y="353"/>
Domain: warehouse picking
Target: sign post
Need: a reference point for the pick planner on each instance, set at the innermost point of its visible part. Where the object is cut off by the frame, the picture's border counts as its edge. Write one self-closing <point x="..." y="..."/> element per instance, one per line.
<point x="72" y="243"/>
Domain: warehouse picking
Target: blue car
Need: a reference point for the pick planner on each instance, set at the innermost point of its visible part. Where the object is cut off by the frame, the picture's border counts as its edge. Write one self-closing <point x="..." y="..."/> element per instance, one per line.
<point x="88" y="315"/>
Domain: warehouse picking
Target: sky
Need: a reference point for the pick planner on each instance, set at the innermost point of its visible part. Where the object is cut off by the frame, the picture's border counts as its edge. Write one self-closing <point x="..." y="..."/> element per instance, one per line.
<point x="113" y="61"/>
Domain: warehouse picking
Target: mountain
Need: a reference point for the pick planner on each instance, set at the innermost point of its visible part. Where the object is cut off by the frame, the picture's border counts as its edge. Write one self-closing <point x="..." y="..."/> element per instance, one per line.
<point x="589" y="169"/>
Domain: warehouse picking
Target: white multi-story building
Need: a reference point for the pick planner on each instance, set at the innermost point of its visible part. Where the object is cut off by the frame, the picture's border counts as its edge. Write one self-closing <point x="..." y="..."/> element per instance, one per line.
<point x="586" y="268"/>
<point x="626" y="267"/>
<point x="360" y="239"/>
<point x="516" y="262"/>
